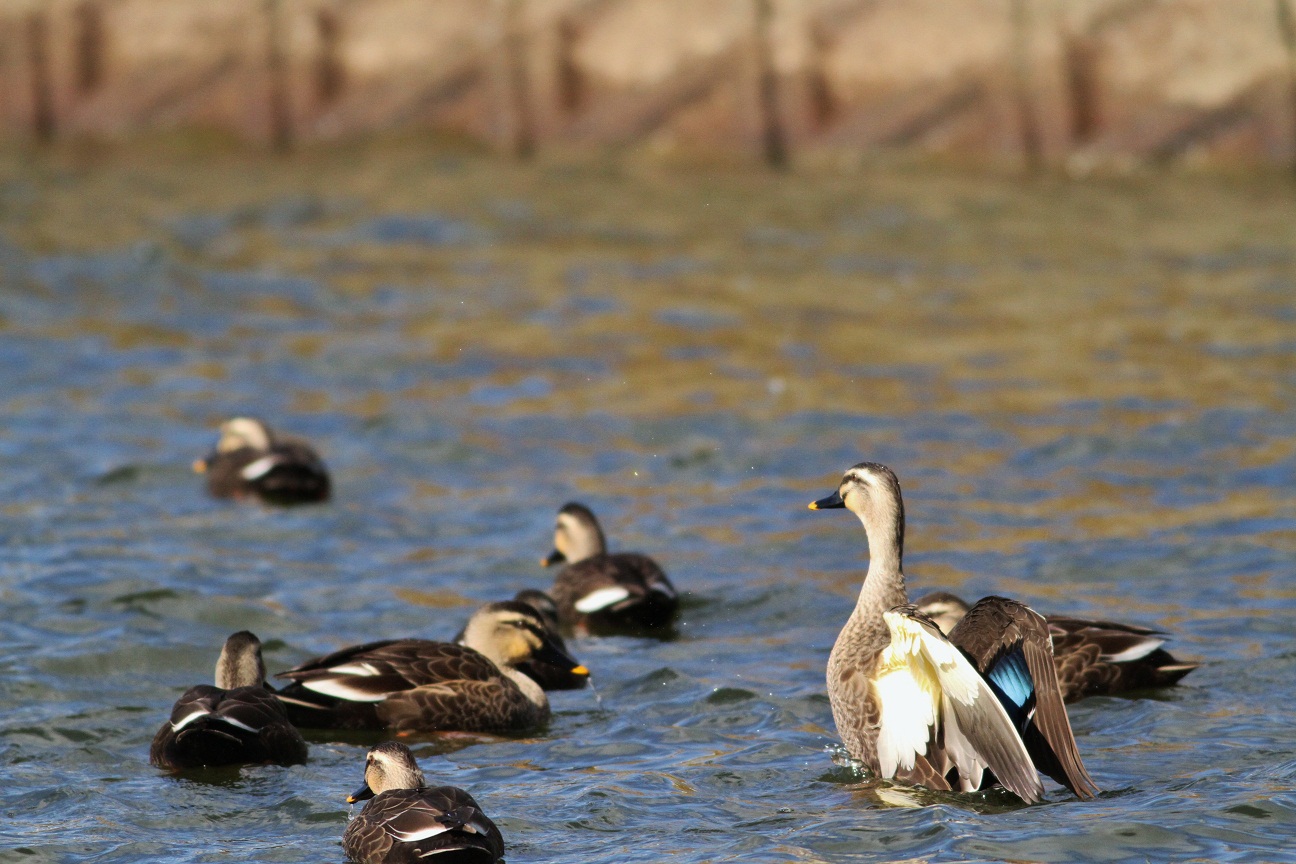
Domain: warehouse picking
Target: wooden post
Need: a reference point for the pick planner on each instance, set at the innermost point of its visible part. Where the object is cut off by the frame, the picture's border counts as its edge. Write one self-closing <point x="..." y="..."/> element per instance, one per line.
<point x="773" y="138"/>
<point x="1287" y="30"/>
<point x="1028" y="125"/>
<point x="330" y="75"/>
<point x="570" y="80"/>
<point x="516" y="115"/>
<point x="89" y="49"/>
<point x="823" y="103"/>
<point x="43" y="118"/>
<point x="281" y="126"/>
<point x="1080" y="56"/>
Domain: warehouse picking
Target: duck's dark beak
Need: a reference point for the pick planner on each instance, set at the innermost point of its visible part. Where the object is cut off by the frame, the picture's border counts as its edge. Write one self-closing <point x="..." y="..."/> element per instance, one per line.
<point x="364" y="793"/>
<point x="832" y="502"/>
<point x="551" y="654"/>
<point x="554" y="557"/>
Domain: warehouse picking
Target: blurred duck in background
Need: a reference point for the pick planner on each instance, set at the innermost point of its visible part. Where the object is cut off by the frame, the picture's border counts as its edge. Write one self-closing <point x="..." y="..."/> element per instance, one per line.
<point x="251" y="461"/>
<point x="600" y="591"/>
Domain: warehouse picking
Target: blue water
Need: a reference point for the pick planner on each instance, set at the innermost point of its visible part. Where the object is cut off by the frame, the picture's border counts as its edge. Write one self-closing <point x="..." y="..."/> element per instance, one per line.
<point x="1107" y="434"/>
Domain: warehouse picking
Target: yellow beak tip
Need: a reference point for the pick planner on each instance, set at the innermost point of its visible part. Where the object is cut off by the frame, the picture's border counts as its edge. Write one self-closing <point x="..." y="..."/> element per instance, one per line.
<point x="580" y="670"/>
<point x="200" y="466"/>
<point x="351" y="799"/>
<point x="813" y="506"/>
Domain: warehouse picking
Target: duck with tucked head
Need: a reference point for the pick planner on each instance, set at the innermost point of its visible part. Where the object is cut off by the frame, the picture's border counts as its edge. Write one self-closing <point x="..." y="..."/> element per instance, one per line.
<point x="250" y="461"/>
<point x="945" y="713"/>
<point x="598" y="590"/>
<point x="406" y="820"/>
<point x="236" y="722"/>
<point x="1092" y="658"/>
<point x="418" y="685"/>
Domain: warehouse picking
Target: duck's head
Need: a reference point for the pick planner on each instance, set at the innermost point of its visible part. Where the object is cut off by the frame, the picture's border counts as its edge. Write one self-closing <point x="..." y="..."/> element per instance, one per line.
<point x="577" y="535"/>
<point x="510" y="633"/>
<point x="237" y="434"/>
<point x="390" y="765"/>
<point x="944" y="608"/>
<point x="543" y="604"/>
<point x="871" y="491"/>
<point x="240" y="663"/>
<point x="243" y="432"/>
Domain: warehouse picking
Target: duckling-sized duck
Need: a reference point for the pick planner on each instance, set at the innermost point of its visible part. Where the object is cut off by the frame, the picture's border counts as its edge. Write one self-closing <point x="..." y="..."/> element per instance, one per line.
<point x="549" y="676"/>
<point x="417" y="685"/>
<point x="1092" y="658"/>
<point x="250" y="461"/>
<point x="238" y="721"/>
<point x="601" y="591"/>
<point x="406" y="820"/>
<point x="911" y="706"/>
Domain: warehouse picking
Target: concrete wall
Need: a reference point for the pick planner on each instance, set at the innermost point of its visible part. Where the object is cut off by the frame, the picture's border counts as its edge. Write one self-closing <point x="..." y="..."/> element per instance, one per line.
<point x="1076" y="81"/>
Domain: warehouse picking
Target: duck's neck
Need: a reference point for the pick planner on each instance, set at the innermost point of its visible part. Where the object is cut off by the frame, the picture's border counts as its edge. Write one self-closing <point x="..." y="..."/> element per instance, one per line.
<point x="884" y="583"/>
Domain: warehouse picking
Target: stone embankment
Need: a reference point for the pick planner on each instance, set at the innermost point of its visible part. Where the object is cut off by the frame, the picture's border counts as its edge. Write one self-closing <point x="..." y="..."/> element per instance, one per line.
<point x="1079" y="83"/>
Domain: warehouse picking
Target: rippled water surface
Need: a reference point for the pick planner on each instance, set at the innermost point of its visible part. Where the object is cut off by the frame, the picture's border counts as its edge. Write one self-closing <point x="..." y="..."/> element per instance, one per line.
<point x="1085" y="388"/>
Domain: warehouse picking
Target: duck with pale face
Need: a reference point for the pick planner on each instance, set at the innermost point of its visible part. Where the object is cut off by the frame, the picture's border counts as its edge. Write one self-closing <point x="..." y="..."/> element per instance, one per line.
<point x="602" y="591"/>
<point x="418" y="685"/>
<point x="251" y="461"/>
<point x="550" y="676"/>
<point x="405" y="820"/>
<point x="957" y="713"/>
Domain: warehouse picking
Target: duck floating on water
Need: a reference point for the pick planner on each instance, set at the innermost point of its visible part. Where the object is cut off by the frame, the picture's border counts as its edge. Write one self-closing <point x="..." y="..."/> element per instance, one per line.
<point x="405" y="820"/>
<point x="956" y="713"/>
<point x="603" y="591"/>
<point x="236" y="722"/>
<point x="418" y="685"/>
<point x="1092" y="658"/>
<point x="250" y="461"/>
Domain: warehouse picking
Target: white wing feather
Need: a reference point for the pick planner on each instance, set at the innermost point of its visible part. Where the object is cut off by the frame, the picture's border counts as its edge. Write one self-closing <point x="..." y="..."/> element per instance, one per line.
<point x="180" y="724"/>
<point x="601" y="599"/>
<point x="418" y="834"/>
<point x="259" y="468"/>
<point x="937" y="674"/>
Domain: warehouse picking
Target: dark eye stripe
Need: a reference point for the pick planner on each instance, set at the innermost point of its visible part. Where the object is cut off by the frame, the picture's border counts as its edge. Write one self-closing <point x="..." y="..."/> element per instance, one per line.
<point x="529" y="626"/>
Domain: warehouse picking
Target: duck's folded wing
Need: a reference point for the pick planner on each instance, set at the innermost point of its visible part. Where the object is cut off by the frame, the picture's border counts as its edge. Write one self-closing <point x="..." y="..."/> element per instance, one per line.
<point x="435" y="821"/>
<point x="375" y="670"/>
<point x="928" y="689"/>
<point x="648" y="573"/>
<point x="196" y="703"/>
<point x="1067" y="624"/>
<point x="436" y="811"/>
<point x="1009" y="644"/>
<point x="250" y="708"/>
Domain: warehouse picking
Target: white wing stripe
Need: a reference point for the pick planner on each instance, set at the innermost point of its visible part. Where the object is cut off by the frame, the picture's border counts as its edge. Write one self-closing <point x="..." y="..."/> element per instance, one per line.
<point x="340" y="689"/>
<point x="1134" y="652"/>
<point x="418" y="834"/>
<point x="259" y="468"/>
<point x="601" y="599"/>
<point x="201" y="712"/>
<point x="238" y="724"/>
